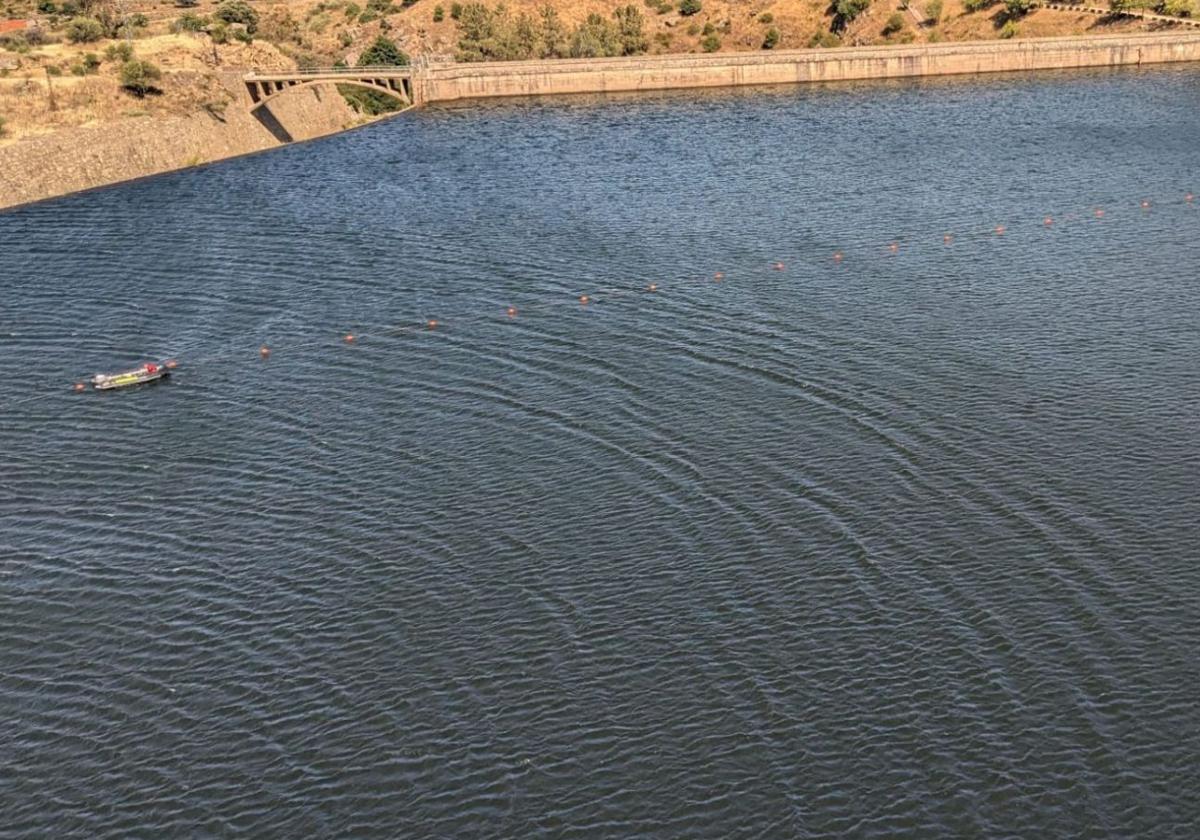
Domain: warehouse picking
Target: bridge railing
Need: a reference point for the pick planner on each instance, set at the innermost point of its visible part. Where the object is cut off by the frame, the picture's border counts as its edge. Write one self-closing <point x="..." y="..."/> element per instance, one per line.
<point x="332" y="71"/>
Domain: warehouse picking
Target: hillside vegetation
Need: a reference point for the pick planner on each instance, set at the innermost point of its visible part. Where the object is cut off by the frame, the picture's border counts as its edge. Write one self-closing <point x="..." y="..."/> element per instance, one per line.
<point x="87" y="62"/>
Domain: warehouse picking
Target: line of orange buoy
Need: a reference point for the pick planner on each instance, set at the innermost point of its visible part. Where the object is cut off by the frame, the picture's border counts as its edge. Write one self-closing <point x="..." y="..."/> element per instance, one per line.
<point x="838" y="257"/>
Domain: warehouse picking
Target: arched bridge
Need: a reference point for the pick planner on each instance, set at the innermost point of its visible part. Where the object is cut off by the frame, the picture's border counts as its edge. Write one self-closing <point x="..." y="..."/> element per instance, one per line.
<point x="394" y="81"/>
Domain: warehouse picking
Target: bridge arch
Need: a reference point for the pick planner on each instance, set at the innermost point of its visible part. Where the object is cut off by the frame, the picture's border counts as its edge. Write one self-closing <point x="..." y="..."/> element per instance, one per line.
<point x="266" y="91"/>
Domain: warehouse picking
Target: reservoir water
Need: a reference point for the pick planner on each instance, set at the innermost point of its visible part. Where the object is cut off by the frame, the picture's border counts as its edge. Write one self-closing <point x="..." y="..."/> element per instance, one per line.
<point x="876" y="541"/>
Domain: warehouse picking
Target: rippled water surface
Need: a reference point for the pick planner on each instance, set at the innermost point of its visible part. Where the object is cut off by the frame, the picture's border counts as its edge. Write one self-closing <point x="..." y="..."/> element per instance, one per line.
<point x="901" y="543"/>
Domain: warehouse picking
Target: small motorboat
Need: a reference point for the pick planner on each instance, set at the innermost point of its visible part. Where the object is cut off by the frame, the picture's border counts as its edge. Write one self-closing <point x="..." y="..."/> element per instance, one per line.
<point x="146" y="373"/>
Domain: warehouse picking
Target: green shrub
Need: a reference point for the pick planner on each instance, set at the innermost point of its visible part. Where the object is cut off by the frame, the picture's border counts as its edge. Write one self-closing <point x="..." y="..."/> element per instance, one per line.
<point x="894" y="24"/>
<point x="121" y="52"/>
<point x="848" y="10"/>
<point x="439" y="14"/>
<point x="665" y="7"/>
<point x="345" y="39"/>
<point x="187" y="4"/>
<point x="693" y="29"/>
<point x="766" y="17"/>
<point x="1014" y="9"/>
<point x="238" y="11"/>
<point x="1009" y="30"/>
<point x="138" y="77"/>
<point x="3" y="130"/>
<point x="219" y="32"/>
<point x="687" y="8"/>
<point x="53" y="70"/>
<point x="711" y="43"/>
<point x="977" y="5"/>
<point x="1177" y="8"/>
<point x="771" y="39"/>
<point x="933" y="11"/>
<point x="825" y="40"/>
<point x="189" y="22"/>
<point x="84" y="30"/>
<point x="708" y="29"/>
<point x="455" y="11"/>
<point x="352" y="10"/>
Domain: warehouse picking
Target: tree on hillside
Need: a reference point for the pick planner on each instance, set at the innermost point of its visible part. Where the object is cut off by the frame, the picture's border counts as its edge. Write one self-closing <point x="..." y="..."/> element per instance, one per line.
<point x="553" y="34"/>
<point x="596" y="38"/>
<point x="1014" y="9"/>
<point x="476" y="33"/>
<point x="631" y="30"/>
<point x="238" y="11"/>
<point x="525" y="41"/>
<point x="383" y="53"/>
<point x="848" y="10"/>
<point x="138" y="77"/>
<point x="687" y="8"/>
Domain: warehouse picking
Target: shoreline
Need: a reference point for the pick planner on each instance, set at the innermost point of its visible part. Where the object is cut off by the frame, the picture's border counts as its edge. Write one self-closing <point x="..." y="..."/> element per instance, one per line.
<point x="128" y="152"/>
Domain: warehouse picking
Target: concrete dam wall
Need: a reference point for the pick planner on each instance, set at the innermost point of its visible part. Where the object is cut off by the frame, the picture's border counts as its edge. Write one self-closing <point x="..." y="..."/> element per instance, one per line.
<point x="538" y="78"/>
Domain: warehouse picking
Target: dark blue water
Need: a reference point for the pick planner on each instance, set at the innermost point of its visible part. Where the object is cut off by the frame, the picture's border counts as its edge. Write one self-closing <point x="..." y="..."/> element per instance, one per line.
<point x="901" y="544"/>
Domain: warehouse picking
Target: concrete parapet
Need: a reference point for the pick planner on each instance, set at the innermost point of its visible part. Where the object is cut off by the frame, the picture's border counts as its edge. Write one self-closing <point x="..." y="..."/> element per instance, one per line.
<point x="567" y="76"/>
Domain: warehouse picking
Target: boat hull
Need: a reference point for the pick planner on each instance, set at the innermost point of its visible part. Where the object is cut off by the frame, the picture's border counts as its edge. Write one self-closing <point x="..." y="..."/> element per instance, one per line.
<point x="127" y="379"/>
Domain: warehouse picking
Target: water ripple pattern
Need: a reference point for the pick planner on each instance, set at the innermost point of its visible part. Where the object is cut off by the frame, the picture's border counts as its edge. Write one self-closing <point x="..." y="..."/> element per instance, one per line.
<point x="903" y="543"/>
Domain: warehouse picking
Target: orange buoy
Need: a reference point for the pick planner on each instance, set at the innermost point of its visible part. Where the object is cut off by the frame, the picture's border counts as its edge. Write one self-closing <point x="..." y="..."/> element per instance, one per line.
<point x="1099" y="213"/>
<point x="431" y="323"/>
<point x="719" y="276"/>
<point x="170" y="364"/>
<point x="1047" y="221"/>
<point x="779" y="266"/>
<point x="894" y="247"/>
<point x="1000" y="230"/>
<point x="653" y="287"/>
<point x="947" y="239"/>
<point x="511" y="311"/>
<point x="1145" y="204"/>
<point x="584" y="299"/>
<point x="264" y="351"/>
<point x="349" y="338"/>
<point x="79" y="387"/>
<point x="837" y="256"/>
<point x="1189" y="198"/>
